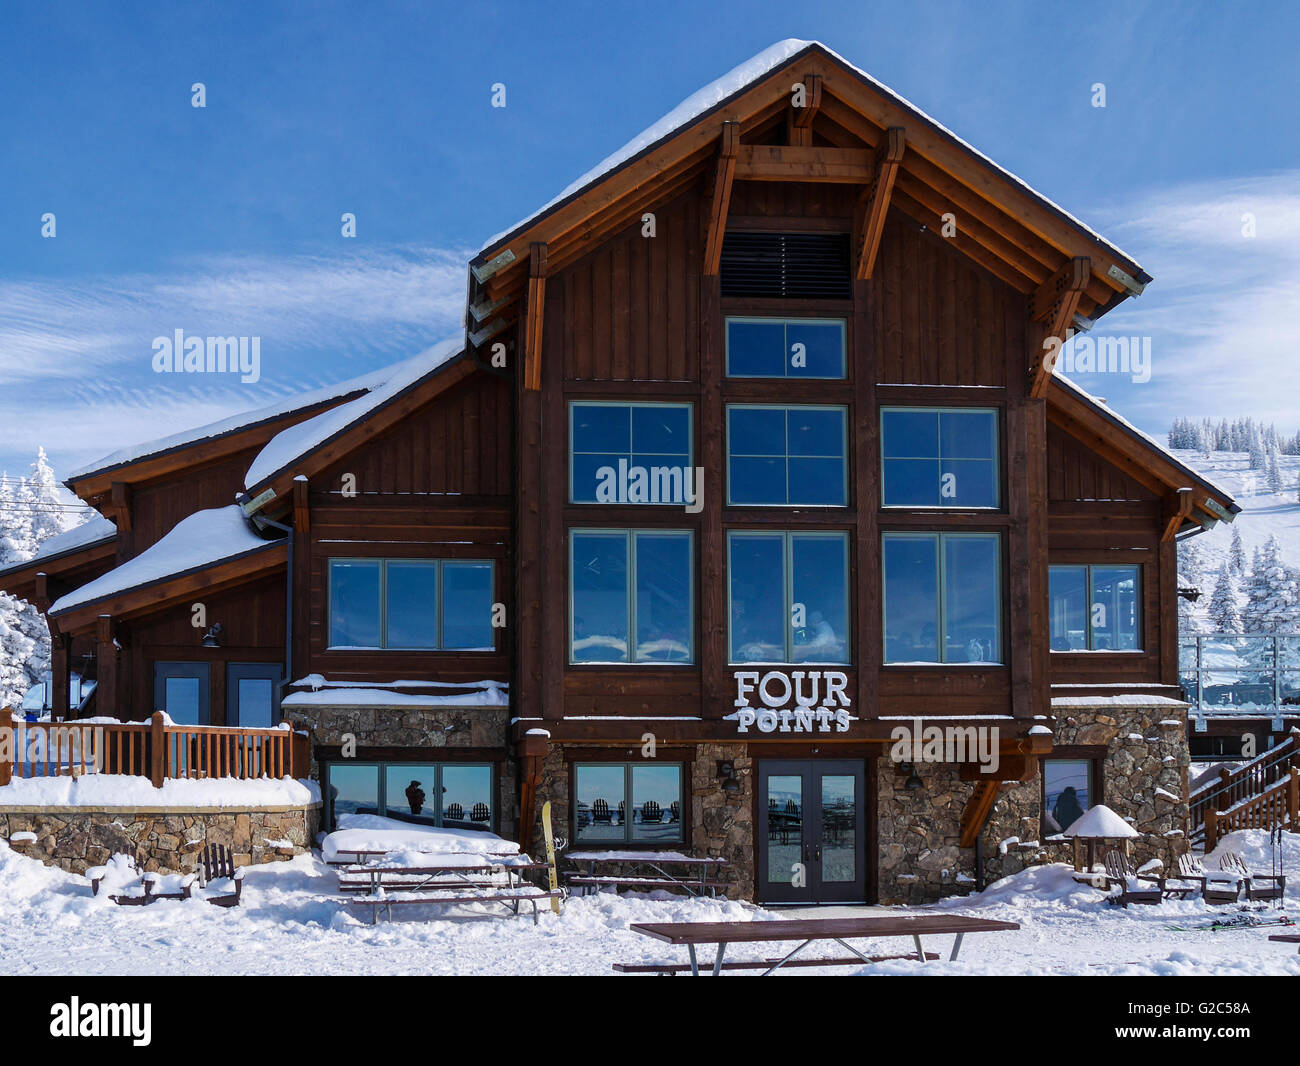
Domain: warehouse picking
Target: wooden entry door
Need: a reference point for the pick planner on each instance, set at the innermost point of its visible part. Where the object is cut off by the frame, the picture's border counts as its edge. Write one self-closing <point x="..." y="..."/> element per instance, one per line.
<point x="811" y="831"/>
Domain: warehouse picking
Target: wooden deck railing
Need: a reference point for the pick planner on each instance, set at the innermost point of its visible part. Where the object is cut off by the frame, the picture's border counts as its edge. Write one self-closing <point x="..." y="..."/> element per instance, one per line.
<point x="1274" y="807"/>
<point x="1250" y="780"/>
<point x="152" y="749"/>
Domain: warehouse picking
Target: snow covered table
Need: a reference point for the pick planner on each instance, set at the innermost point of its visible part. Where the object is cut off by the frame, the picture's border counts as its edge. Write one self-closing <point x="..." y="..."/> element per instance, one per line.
<point x="807" y="931"/>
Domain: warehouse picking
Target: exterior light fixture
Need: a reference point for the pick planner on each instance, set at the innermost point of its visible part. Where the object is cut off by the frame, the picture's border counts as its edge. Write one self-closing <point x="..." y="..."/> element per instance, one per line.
<point x="1191" y="595"/>
<point x="914" y="782"/>
<point x="727" y="775"/>
<point x="212" y="638"/>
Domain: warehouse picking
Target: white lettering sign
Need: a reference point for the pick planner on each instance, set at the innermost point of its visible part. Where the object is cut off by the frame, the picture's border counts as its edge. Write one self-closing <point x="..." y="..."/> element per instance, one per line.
<point x="820" y="700"/>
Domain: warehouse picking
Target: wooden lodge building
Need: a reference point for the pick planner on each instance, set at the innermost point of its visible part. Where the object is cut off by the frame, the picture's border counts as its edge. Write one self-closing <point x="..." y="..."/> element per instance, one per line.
<point x="748" y="458"/>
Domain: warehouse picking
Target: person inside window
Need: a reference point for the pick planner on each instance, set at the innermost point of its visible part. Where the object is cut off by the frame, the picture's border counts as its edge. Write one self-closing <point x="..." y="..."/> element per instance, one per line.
<point x="415" y="797"/>
<point x="1067" y="809"/>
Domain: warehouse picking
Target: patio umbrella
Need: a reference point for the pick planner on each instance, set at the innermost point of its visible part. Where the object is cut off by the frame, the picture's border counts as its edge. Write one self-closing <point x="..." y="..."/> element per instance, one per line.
<point x="1099" y="823"/>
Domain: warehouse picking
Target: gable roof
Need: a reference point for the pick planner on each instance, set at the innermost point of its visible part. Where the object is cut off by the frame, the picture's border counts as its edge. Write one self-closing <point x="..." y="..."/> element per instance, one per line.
<point x="284" y="456"/>
<point x="1009" y="227"/>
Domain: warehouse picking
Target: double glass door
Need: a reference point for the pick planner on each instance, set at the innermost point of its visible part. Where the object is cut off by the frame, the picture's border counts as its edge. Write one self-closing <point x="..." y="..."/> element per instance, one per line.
<point x="811" y="831"/>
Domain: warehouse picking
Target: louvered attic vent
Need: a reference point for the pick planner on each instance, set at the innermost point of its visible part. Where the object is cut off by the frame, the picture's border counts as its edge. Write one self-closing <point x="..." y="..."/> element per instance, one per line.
<point x="808" y="266"/>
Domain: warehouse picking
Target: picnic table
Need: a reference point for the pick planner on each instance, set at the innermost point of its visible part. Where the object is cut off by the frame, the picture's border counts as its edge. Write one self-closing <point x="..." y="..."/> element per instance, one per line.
<point x="375" y="883"/>
<point x="805" y="932"/>
<point x="649" y="869"/>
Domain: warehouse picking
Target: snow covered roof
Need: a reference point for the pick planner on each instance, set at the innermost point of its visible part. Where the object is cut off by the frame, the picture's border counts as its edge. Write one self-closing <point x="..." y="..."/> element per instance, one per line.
<point x="199" y="541"/>
<point x="234" y="423"/>
<point x="1101" y="822"/>
<point x="388" y="694"/>
<point x="293" y="443"/>
<point x="95" y="531"/>
<point x="1146" y="438"/>
<point x="713" y="95"/>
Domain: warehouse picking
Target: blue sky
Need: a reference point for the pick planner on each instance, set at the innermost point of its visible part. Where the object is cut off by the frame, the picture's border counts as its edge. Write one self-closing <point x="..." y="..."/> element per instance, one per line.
<point x="225" y="219"/>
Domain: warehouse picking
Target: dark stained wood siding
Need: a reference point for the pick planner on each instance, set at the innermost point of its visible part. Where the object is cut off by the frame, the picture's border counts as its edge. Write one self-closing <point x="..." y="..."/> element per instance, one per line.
<point x="157" y="506"/>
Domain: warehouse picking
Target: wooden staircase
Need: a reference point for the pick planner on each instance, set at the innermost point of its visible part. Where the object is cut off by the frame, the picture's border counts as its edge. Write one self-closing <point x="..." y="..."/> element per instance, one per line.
<point x="1262" y="794"/>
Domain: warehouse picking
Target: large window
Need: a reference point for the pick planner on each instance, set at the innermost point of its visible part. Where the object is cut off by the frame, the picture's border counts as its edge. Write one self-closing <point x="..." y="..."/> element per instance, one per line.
<point x="434" y="604"/>
<point x="785" y="347"/>
<point x="938" y="457"/>
<point x="630" y="453"/>
<point x="789" y="597"/>
<point x="627" y="803"/>
<point x="455" y="795"/>
<point x="631" y="596"/>
<point x="943" y="595"/>
<point x="1067" y="793"/>
<point x="1095" y="608"/>
<point x="787" y="455"/>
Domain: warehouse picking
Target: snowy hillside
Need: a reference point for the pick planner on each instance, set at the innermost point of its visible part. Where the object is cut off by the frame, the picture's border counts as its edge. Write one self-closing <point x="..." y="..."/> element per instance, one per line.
<point x="1265" y="513"/>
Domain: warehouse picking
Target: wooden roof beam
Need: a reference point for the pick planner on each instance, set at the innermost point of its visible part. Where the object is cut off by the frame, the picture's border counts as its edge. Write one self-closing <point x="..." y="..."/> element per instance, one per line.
<point x="775" y="162"/>
<point x="534" y="316"/>
<point x="1178" y="508"/>
<point x="805" y="102"/>
<point x="719" y="198"/>
<point x="873" y="204"/>
<point x="1055" y="302"/>
<point x="963" y="242"/>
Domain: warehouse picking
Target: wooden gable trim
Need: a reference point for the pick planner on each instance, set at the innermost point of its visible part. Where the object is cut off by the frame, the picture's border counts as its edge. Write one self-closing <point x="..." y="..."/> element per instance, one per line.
<point x="805" y="102"/>
<point x="535" y="313"/>
<point x="368" y="426"/>
<point x="215" y="577"/>
<point x="1178" y="508"/>
<point x="777" y="162"/>
<point x="873" y="205"/>
<point x="719" y="198"/>
<point x="1055" y="302"/>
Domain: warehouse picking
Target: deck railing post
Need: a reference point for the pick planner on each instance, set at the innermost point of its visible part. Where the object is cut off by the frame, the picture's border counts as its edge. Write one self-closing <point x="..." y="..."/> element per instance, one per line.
<point x="1211" y="829"/>
<point x="7" y="768"/>
<point x="1293" y="799"/>
<point x="158" y="749"/>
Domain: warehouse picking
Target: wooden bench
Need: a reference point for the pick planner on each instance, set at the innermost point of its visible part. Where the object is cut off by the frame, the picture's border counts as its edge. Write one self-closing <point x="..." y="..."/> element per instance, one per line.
<point x="670" y="968"/>
<point x="809" y="930"/>
<point x="1286" y="938"/>
<point x="513" y="900"/>
<point x="643" y="883"/>
<point x="647" y="870"/>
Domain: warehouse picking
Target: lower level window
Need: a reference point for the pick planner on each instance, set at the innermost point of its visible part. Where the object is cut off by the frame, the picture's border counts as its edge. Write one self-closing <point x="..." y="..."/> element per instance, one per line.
<point x="627" y="803"/>
<point x="943" y="597"/>
<point x="454" y="795"/>
<point x="1095" y="608"/>
<point x="1067" y="793"/>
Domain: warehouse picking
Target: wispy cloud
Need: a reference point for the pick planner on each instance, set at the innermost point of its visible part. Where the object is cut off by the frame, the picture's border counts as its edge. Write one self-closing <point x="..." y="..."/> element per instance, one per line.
<point x="1223" y="309"/>
<point x="76" y="355"/>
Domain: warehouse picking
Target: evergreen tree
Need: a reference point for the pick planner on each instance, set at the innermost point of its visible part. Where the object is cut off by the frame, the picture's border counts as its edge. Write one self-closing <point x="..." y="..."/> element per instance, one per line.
<point x="1223" y="603"/>
<point x="1236" y="553"/>
<point x="1272" y="593"/>
<point x="1191" y="574"/>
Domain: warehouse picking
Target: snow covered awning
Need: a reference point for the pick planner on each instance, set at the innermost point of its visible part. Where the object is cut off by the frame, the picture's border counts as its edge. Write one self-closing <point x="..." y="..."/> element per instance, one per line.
<point x="314" y="691"/>
<point x="204" y="541"/>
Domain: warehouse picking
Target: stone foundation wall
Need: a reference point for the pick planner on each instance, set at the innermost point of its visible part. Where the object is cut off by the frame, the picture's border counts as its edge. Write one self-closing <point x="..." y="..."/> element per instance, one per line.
<point x="1146" y="756"/>
<point x="414" y="728"/>
<point x="75" y="839"/>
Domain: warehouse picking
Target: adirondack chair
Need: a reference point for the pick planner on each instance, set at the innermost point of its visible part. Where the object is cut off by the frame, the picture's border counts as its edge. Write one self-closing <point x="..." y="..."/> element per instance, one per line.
<point x="455" y="812"/>
<point x="479" y="813"/>
<point x="651" y="813"/>
<point x="1233" y="864"/>
<point x="123" y="872"/>
<point x="1145" y="889"/>
<point x="216" y="868"/>
<point x="675" y="811"/>
<point x="1215" y="886"/>
<point x="600" y="812"/>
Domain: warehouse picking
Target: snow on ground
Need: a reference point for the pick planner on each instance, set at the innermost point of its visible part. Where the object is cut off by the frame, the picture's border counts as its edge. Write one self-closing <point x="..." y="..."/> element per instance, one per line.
<point x="121" y="790"/>
<point x="292" y="922"/>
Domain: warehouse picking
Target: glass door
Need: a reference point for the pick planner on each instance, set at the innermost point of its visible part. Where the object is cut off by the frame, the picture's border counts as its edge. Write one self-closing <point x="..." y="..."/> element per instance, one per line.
<point x="811" y="832"/>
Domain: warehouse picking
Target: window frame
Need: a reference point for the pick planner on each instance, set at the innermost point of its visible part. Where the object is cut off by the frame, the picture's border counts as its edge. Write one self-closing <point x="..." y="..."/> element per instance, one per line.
<point x="573" y="404"/>
<point x="627" y="842"/>
<point x="630" y="533"/>
<point x="787" y="583"/>
<point x="1094" y="756"/>
<point x="939" y="536"/>
<point x="383" y="645"/>
<point x="1140" y="614"/>
<point x="997" y="460"/>
<point x="381" y="796"/>
<point x="787" y="408"/>
<point x="785" y="321"/>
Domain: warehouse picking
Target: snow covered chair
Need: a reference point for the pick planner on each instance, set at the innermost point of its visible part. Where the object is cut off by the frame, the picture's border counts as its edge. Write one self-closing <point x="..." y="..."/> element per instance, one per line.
<point x="168" y="886"/>
<point x="217" y="874"/>
<point x="1233" y="864"/>
<point x="1133" y="888"/>
<point x="1216" y="886"/>
<point x="121" y="880"/>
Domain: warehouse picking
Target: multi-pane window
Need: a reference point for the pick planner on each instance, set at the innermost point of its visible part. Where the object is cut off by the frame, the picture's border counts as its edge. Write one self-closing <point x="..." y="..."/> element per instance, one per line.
<point x="943" y="595"/>
<point x="785" y="347"/>
<point x="433" y="604"/>
<point x="1067" y="793"/>
<point x="783" y="456"/>
<point x="627" y="803"/>
<point x="939" y="457"/>
<point x="789" y="597"/>
<point x="1095" y="608"/>
<point x="631" y="596"/>
<point x="454" y="795"/>
<point x="630" y="453"/>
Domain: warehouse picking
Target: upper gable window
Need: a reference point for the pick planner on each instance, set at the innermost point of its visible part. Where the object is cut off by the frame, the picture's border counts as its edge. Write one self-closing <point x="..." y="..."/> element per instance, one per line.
<point x="785" y="347"/>
<point x="791" y="266"/>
